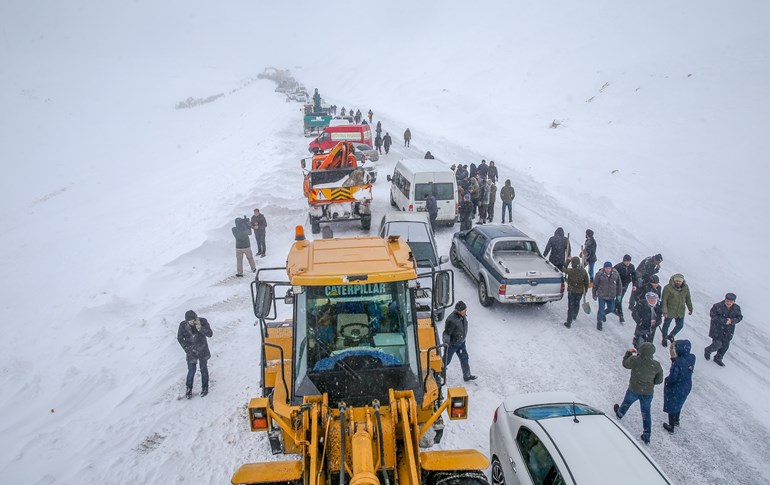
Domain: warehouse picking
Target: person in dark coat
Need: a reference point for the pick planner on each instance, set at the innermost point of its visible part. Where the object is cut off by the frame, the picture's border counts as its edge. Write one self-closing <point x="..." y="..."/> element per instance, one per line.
<point x="606" y="289"/>
<point x="378" y="143"/>
<point x="677" y="386"/>
<point x="589" y="253"/>
<point x="386" y="142"/>
<point x="646" y="373"/>
<point x="507" y="194"/>
<point x="577" y="287"/>
<point x="455" y="333"/>
<point x="378" y="130"/>
<point x="473" y="170"/>
<point x="492" y="172"/>
<point x="556" y="249"/>
<point x="627" y="274"/>
<point x="429" y="155"/>
<point x="259" y="224"/>
<point x="241" y="233"/>
<point x="648" y="267"/>
<point x="407" y="137"/>
<point x="648" y="316"/>
<point x="466" y="213"/>
<point x="652" y="286"/>
<point x="432" y="207"/>
<point x="191" y="336"/>
<point x="492" y="200"/>
<point x="483" y="169"/>
<point x="724" y="316"/>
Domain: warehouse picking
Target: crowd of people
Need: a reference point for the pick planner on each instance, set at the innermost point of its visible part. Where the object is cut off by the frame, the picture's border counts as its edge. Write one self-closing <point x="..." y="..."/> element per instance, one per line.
<point x="477" y="193"/>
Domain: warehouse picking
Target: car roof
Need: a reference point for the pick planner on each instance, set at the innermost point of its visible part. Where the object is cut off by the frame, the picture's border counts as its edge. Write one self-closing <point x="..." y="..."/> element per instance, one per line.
<point x="598" y="440"/>
<point x="424" y="165"/>
<point x="500" y="230"/>
<point x="403" y="216"/>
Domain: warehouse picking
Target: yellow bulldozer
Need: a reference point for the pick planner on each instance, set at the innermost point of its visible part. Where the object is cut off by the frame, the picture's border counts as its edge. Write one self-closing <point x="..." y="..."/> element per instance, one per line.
<point x="353" y="383"/>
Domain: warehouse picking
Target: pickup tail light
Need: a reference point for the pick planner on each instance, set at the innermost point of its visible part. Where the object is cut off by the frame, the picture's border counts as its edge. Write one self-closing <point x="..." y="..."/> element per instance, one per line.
<point x="562" y="287"/>
<point x="411" y="207"/>
<point x="501" y="291"/>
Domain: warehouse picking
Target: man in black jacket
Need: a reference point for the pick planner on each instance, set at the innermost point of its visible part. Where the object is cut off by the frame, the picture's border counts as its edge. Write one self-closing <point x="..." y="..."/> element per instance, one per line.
<point x="589" y="253"/>
<point x="455" y="333"/>
<point x="648" y="267"/>
<point x="191" y="336"/>
<point x="627" y="274"/>
<point x="557" y="247"/>
<point x="724" y="316"/>
<point x="647" y="315"/>
<point x="259" y="223"/>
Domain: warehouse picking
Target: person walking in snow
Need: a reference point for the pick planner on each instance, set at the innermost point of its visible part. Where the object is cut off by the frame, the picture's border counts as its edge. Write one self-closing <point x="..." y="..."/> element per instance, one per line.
<point x="606" y="289"/>
<point x="358" y="117"/>
<point x="429" y="155"/>
<point x="678" y="384"/>
<point x="507" y="194"/>
<point x="676" y="295"/>
<point x="378" y="143"/>
<point x="241" y="233"/>
<point x="379" y="128"/>
<point x="342" y="112"/>
<point x="466" y="213"/>
<point x="386" y="142"/>
<point x="589" y="253"/>
<point x="577" y="288"/>
<point x="259" y="224"/>
<point x="556" y="248"/>
<point x="492" y="199"/>
<point x="725" y="315"/>
<point x="627" y="274"/>
<point x="454" y="336"/>
<point x="407" y="137"/>
<point x="492" y="172"/>
<point x="647" y="315"/>
<point x="192" y="335"/>
<point x="483" y="169"/>
<point x="370" y="114"/>
<point x="432" y="207"/>
<point x="646" y="373"/>
<point x="644" y="272"/>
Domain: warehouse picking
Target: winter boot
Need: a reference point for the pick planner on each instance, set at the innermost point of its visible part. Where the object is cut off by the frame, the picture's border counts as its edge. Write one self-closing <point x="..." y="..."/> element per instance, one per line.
<point x="204" y="391"/>
<point x="707" y="354"/>
<point x="622" y="320"/>
<point x="617" y="411"/>
<point x="188" y="394"/>
<point x="469" y="378"/>
<point x="719" y="362"/>
<point x="599" y="325"/>
<point x="646" y="439"/>
<point x="568" y="324"/>
<point x="668" y="428"/>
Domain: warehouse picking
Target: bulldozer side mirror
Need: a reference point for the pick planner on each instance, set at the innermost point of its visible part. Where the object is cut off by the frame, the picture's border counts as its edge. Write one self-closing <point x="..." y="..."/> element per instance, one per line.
<point x="263" y="301"/>
<point x="443" y="296"/>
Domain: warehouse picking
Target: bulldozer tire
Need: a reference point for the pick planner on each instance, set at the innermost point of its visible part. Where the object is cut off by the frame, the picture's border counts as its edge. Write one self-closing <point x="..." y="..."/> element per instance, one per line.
<point x="458" y="477"/>
<point x="315" y="225"/>
<point x="366" y="222"/>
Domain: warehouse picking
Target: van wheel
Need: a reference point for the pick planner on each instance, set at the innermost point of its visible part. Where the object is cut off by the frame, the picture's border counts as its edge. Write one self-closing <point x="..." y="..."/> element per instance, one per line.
<point x="484" y="297"/>
<point x="366" y="222"/>
<point x="315" y="225"/>
<point x="392" y="202"/>
<point x="453" y="256"/>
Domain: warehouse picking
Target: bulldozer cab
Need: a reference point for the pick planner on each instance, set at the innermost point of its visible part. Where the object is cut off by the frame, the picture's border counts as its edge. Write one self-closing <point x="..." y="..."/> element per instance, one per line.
<point x="355" y="342"/>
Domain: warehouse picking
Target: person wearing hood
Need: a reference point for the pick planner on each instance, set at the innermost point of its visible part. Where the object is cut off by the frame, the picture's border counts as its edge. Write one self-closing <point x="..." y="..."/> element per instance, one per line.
<point x="507" y="194"/>
<point x="646" y="373"/>
<point x="429" y="155"/>
<point x="677" y="386"/>
<point x="241" y="233"/>
<point x="472" y="170"/>
<point x="466" y="213"/>
<point x="483" y="169"/>
<point x="407" y="137"/>
<point x="589" y="253"/>
<point x="647" y="316"/>
<point x="378" y="130"/>
<point x="492" y="172"/>
<point x="724" y="316"/>
<point x="191" y="336"/>
<point x="454" y="335"/>
<point x="627" y="274"/>
<point x="644" y="272"/>
<point x="676" y="295"/>
<point x="386" y="142"/>
<point x="606" y="289"/>
<point x="577" y="287"/>
<point x="556" y="249"/>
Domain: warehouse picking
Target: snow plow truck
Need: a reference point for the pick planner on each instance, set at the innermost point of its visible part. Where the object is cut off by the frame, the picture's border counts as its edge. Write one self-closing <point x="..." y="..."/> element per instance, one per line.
<point x="353" y="384"/>
<point x="338" y="188"/>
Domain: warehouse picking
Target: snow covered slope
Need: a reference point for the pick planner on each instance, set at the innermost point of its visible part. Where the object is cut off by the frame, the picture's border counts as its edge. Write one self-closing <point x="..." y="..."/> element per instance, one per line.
<point x="117" y="207"/>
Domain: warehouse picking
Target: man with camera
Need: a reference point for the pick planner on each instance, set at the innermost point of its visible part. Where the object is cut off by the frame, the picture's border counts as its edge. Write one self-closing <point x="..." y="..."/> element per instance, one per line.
<point x="241" y="233"/>
<point x="191" y="336"/>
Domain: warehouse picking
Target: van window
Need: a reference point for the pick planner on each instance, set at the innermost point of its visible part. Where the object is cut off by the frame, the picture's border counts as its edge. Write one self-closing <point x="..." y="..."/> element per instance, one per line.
<point x="443" y="191"/>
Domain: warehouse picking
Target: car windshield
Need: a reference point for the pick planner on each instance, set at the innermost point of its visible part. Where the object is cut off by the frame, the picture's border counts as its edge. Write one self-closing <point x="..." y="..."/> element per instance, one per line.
<point x="417" y="236"/>
<point x="545" y="411"/>
<point x="442" y="191"/>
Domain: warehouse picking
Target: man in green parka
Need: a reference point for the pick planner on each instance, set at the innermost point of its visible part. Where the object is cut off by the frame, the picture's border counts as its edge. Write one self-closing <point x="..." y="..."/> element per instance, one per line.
<point x="577" y="286"/>
<point x="646" y="373"/>
<point x="676" y="295"/>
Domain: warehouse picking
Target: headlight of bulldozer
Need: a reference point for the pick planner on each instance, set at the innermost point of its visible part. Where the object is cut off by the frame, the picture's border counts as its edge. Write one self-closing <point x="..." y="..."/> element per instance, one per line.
<point x="258" y="417"/>
<point x="458" y="403"/>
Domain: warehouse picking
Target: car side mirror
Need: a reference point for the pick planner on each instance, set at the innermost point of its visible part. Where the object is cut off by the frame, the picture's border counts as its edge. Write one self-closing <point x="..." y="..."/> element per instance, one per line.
<point x="263" y="300"/>
<point x="388" y="178"/>
<point x="443" y="294"/>
<point x="443" y="259"/>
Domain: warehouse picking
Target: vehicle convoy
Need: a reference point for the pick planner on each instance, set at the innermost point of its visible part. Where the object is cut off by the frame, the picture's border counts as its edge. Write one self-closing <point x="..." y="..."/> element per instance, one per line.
<point x="338" y="188"/>
<point x="507" y="265"/>
<point x="334" y="134"/>
<point x="552" y="437"/>
<point x="315" y="121"/>
<point x="353" y="382"/>
<point x="413" y="178"/>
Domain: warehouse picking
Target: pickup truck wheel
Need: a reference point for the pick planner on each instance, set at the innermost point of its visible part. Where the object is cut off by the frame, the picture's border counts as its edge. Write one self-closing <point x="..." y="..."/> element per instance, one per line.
<point x="484" y="298"/>
<point x="453" y="256"/>
<point x="315" y="225"/>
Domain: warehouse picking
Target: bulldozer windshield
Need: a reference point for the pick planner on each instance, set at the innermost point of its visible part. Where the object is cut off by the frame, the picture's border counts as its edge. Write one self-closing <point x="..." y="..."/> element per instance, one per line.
<point x="355" y="341"/>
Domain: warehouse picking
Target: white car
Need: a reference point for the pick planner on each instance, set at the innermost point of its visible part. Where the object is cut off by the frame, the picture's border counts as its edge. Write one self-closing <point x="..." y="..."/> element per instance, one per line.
<point x="554" y="438"/>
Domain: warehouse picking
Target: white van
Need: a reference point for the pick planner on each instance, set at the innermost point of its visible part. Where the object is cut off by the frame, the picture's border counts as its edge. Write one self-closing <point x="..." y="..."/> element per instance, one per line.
<point x="413" y="178"/>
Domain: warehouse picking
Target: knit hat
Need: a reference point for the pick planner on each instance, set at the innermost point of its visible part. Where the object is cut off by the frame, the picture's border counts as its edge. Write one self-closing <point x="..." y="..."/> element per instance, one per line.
<point x="658" y="257"/>
<point x="654" y="279"/>
<point x="730" y="296"/>
<point x="607" y="264"/>
<point x="652" y="295"/>
<point x="190" y="315"/>
<point x="460" y="306"/>
<point x="626" y="257"/>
